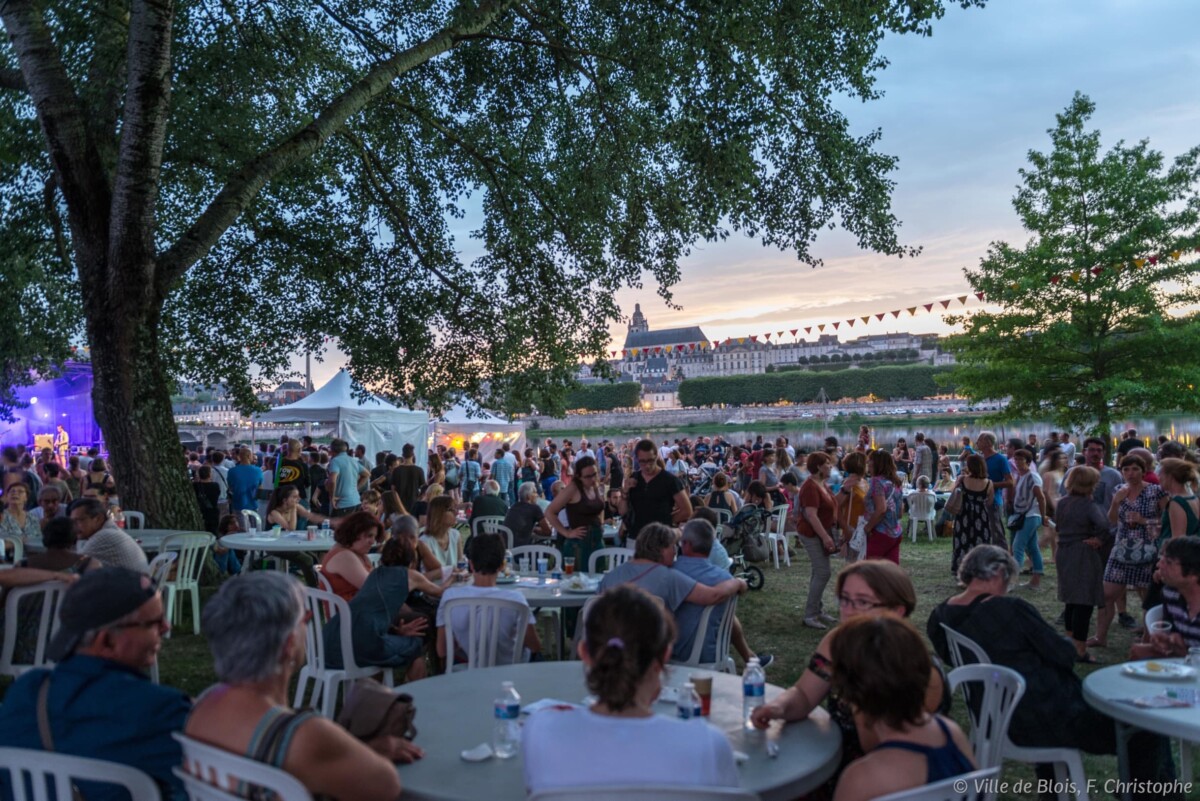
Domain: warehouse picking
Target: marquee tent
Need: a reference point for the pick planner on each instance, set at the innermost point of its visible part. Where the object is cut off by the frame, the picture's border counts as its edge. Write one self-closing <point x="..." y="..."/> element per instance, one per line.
<point x="460" y="428"/>
<point x="370" y="421"/>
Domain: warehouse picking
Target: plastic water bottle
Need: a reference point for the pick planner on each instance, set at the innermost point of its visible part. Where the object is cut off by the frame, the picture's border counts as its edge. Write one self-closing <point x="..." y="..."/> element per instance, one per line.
<point x="754" y="685"/>
<point x="325" y="528"/>
<point x="688" y="706"/>
<point x="506" y="734"/>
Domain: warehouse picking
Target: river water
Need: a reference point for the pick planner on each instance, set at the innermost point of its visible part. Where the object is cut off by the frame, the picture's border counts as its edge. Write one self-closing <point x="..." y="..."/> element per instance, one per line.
<point x="1183" y="429"/>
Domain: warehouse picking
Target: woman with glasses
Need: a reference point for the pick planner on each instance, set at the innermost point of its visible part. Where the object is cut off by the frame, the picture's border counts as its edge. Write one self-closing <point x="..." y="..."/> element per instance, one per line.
<point x="256" y="628"/>
<point x="864" y="589"/>
<point x="583" y="499"/>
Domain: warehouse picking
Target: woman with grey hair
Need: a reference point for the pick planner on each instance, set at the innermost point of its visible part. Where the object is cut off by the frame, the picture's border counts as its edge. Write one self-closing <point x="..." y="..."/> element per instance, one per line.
<point x="256" y="627"/>
<point x="1053" y="712"/>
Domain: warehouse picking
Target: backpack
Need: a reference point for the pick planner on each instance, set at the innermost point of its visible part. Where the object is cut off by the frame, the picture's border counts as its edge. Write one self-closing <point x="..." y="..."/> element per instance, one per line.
<point x="451" y="471"/>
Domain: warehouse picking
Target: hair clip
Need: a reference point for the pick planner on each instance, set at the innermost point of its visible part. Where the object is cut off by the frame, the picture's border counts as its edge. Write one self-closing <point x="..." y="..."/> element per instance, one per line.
<point x="616" y="642"/>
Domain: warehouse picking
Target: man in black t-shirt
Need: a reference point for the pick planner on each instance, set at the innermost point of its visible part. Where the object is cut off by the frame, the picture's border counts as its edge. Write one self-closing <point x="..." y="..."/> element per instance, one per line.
<point x="408" y="478"/>
<point x="652" y="495"/>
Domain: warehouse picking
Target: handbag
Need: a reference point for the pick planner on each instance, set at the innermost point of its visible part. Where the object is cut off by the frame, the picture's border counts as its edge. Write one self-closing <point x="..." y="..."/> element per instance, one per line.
<point x="955" y="503"/>
<point x="373" y="710"/>
<point x="1016" y="522"/>
<point x="858" y="540"/>
<point x="1135" y="552"/>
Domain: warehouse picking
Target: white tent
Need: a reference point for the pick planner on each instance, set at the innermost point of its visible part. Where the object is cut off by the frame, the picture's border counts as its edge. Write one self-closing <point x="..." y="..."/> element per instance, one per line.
<point x="371" y="422"/>
<point x="460" y="428"/>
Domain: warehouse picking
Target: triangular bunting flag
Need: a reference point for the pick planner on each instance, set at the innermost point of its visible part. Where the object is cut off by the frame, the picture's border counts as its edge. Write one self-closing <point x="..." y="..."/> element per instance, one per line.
<point x="880" y="315"/>
<point x="836" y="325"/>
<point x="1175" y="254"/>
<point x="945" y="304"/>
<point x="928" y="307"/>
<point x="1139" y="262"/>
<point x="657" y="351"/>
<point x="808" y="330"/>
<point x="850" y="323"/>
<point x="866" y="319"/>
<point x="794" y="330"/>
<point x="962" y="299"/>
<point x="821" y="327"/>
<point x="741" y="340"/>
<point x="753" y="338"/>
<point x="979" y="295"/>
<point x="895" y="313"/>
<point x="1054" y="279"/>
<point x="1097" y="270"/>
<point x="912" y="311"/>
<point x="1154" y="259"/>
<point x="779" y="334"/>
<point x="1075" y="276"/>
<point x="768" y="336"/>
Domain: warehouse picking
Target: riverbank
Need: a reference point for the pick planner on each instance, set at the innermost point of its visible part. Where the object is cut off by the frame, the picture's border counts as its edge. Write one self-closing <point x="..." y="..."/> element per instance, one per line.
<point x="808" y="424"/>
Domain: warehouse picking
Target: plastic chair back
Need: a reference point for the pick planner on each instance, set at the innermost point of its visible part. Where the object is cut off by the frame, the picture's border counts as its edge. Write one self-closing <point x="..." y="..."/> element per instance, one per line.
<point x="326" y="680"/>
<point x="966" y="787"/>
<point x="160" y="567"/>
<point x="964" y="650"/>
<point x="723" y="516"/>
<point x="487" y="524"/>
<point x="535" y="552"/>
<point x="485" y="631"/>
<point x="134" y="517"/>
<point x="614" y="556"/>
<point x="721" y="659"/>
<point x="13" y="546"/>
<point x="252" y="517"/>
<point x="50" y="774"/>
<point x="40" y="600"/>
<point x="1002" y="690"/>
<point x="208" y="770"/>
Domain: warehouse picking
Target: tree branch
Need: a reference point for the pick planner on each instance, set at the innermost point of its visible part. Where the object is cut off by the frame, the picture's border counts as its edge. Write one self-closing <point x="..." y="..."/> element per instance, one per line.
<point x="143" y="132"/>
<point x="241" y="189"/>
<point x="56" y="226"/>
<point x="79" y="171"/>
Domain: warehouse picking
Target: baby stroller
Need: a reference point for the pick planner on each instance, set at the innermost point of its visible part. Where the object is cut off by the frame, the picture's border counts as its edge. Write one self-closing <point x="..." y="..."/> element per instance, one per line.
<point x="745" y="538"/>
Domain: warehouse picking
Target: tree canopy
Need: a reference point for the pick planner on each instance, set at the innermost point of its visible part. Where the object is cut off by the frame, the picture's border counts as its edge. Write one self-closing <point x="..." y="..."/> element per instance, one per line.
<point x="1086" y="333"/>
<point x="451" y="191"/>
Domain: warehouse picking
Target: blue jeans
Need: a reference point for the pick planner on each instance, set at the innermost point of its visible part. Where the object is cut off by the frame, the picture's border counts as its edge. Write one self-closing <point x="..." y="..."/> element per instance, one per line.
<point x="228" y="562"/>
<point x="1026" y="540"/>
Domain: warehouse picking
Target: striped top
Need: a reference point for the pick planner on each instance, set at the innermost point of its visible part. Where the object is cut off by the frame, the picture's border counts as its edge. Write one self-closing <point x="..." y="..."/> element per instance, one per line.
<point x="1175" y="612"/>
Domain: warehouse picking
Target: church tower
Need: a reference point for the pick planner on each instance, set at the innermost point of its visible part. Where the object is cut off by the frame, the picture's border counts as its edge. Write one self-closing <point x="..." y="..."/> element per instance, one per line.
<point x="638" y="322"/>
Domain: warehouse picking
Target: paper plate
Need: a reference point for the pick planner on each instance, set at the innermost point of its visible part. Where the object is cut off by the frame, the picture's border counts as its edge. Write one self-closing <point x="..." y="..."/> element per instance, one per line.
<point x="1159" y="670"/>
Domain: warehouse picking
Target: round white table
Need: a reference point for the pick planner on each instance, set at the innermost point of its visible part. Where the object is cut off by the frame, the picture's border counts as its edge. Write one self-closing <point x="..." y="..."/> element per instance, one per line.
<point x="549" y="594"/>
<point x="151" y="539"/>
<point x="289" y="542"/>
<point x="1109" y="690"/>
<point x="455" y="714"/>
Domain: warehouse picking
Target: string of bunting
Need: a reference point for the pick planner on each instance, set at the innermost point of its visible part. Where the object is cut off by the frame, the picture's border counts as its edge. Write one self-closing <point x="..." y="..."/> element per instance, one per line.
<point x="1074" y="276"/>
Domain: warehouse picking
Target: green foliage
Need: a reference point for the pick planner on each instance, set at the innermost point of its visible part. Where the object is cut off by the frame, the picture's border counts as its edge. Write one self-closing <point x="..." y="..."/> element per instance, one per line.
<point x="1085" y="332"/>
<point x="605" y="397"/>
<point x="796" y="386"/>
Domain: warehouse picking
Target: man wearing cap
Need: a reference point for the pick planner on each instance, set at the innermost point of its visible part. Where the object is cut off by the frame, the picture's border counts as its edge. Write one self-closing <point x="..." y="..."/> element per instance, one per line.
<point x="97" y="700"/>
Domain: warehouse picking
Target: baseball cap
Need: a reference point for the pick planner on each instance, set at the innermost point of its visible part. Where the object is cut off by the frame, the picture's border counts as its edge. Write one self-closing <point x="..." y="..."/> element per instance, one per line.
<point x="98" y="599"/>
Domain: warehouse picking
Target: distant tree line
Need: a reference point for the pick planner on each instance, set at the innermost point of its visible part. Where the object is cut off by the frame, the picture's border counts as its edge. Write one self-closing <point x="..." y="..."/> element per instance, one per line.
<point x="794" y="386"/>
<point x="605" y="397"/>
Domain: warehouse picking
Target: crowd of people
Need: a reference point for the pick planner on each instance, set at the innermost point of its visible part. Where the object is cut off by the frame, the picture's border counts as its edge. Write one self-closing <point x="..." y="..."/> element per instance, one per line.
<point x="685" y="508"/>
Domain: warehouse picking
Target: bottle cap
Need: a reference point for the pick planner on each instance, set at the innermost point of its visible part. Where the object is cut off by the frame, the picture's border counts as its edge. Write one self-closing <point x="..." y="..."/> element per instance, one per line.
<point x="506" y="685"/>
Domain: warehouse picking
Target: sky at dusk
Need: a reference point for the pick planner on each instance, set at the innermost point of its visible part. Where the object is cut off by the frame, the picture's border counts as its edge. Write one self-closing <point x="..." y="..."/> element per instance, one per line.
<point x="960" y="110"/>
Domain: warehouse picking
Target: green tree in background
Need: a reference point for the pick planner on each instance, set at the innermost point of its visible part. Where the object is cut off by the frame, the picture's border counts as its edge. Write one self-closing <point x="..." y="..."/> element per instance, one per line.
<point x="605" y="397"/>
<point x="452" y="191"/>
<point x="1085" y="333"/>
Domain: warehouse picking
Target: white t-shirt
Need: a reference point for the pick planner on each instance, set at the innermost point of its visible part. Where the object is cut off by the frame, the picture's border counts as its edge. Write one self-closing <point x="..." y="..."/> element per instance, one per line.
<point x="623" y="751"/>
<point x="509" y="622"/>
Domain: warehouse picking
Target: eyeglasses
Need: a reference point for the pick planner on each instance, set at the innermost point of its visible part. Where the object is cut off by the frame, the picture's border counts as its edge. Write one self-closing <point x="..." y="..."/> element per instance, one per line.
<point x="858" y="604"/>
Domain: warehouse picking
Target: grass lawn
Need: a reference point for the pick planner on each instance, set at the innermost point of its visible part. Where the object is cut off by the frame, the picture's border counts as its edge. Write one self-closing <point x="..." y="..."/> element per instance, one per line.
<point x="772" y="619"/>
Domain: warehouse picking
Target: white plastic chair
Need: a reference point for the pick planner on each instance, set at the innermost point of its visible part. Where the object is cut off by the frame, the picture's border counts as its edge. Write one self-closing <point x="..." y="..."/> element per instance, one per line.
<point x="644" y="792"/>
<point x="12" y="545"/>
<point x="723" y="516"/>
<point x="326" y="680"/>
<point x="486" y="524"/>
<point x="922" y="509"/>
<point x="502" y="530"/>
<point x="252" y="516"/>
<point x="160" y="567"/>
<point x="722" y="661"/>
<point x="1001" y="690"/>
<point x="1068" y="762"/>
<point x="208" y="770"/>
<point x="134" y="517"/>
<point x="615" y="557"/>
<point x="43" y="770"/>
<point x="973" y="786"/>
<point x="535" y="552"/>
<point x="484" y="631"/>
<point x="50" y="594"/>
<point x="192" y="550"/>
<point x="323" y="581"/>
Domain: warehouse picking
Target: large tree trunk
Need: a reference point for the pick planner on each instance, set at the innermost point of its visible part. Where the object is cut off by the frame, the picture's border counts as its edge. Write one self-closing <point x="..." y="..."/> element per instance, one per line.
<point x="133" y="406"/>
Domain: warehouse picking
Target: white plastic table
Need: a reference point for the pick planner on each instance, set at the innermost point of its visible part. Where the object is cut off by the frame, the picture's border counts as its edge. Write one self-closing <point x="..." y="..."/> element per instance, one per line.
<point x="1108" y="689"/>
<point x="549" y="594"/>
<point x="151" y="539"/>
<point x="455" y="714"/>
<point x="289" y="542"/>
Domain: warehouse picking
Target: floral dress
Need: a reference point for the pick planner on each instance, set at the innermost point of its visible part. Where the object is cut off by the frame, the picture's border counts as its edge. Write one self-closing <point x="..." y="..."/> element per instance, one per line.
<point x="971" y="524"/>
<point x="1130" y="534"/>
